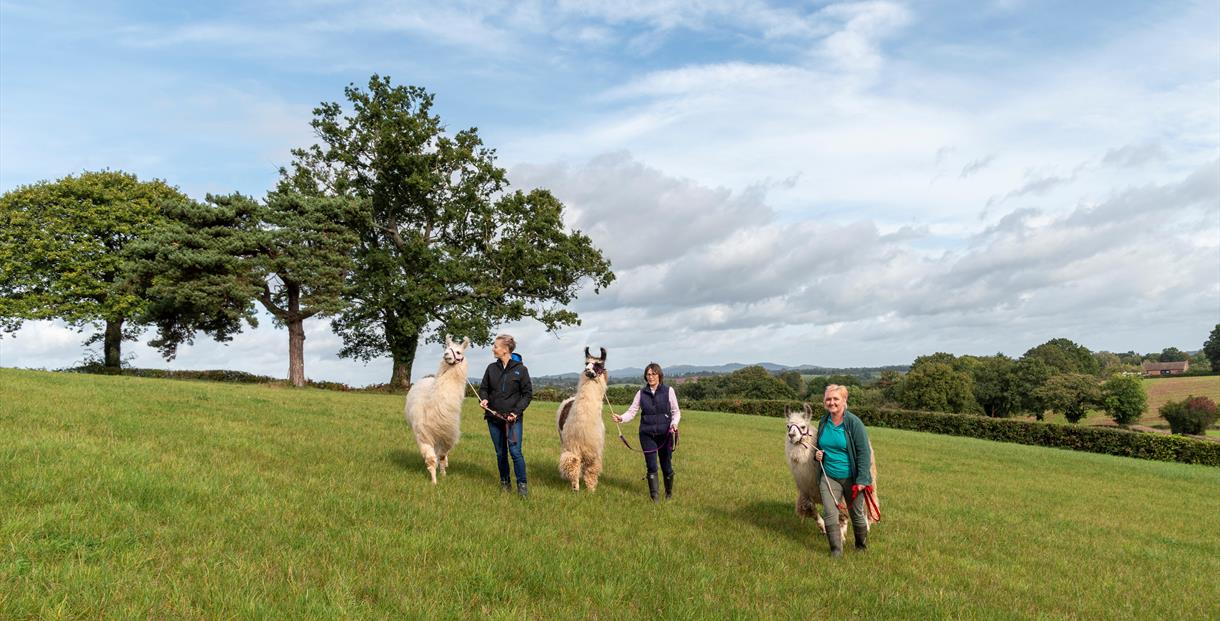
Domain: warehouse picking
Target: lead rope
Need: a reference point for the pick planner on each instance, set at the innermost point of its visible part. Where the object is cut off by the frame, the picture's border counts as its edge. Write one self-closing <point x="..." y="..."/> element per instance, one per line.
<point x="672" y="435"/>
<point x="508" y="430"/>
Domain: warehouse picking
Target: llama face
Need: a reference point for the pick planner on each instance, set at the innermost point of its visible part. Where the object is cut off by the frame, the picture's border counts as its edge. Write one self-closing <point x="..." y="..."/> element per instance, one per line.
<point x="594" y="365"/>
<point x="798" y="428"/>
<point x="455" y="352"/>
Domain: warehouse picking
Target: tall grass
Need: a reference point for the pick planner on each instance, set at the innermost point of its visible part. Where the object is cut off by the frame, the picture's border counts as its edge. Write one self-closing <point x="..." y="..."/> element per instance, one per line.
<point x="138" y="498"/>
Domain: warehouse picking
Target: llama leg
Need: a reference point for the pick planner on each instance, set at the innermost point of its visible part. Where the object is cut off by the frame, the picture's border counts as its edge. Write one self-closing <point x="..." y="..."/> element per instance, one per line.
<point x="569" y="467"/>
<point x="429" y="460"/>
<point x="442" y="463"/>
<point x="804" y="506"/>
<point x="592" y="471"/>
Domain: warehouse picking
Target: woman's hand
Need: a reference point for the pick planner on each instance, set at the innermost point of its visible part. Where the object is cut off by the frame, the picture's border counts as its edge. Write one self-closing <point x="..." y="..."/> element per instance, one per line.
<point x="617" y="418"/>
<point x="818" y="455"/>
<point x="483" y="403"/>
<point x="512" y="418"/>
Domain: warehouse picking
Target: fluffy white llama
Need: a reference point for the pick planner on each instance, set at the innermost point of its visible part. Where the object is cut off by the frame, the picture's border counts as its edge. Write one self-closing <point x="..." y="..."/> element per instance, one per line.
<point x="582" y="432"/>
<point x="434" y="408"/>
<point x="799" y="449"/>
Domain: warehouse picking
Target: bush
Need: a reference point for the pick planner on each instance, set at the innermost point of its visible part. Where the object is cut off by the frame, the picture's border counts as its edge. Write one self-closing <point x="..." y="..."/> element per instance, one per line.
<point x="1124" y="398"/>
<point x="753" y="407"/>
<point x="1192" y="415"/>
<point x="549" y="393"/>
<point x="1091" y="439"/>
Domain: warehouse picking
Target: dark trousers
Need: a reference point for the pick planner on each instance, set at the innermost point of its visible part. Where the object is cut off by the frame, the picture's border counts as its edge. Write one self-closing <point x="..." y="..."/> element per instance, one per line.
<point x="505" y="449"/>
<point x="658" y="445"/>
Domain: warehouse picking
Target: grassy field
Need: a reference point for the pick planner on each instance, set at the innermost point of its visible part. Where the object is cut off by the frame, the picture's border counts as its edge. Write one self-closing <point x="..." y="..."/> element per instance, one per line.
<point x="1161" y="391"/>
<point x="137" y="498"/>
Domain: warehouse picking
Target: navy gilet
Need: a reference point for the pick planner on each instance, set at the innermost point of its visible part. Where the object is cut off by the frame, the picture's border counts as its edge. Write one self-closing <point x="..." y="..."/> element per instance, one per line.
<point x="654" y="410"/>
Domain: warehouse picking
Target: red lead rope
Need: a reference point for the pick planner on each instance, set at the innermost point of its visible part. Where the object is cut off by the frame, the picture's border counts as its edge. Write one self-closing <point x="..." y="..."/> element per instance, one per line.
<point x="870" y="501"/>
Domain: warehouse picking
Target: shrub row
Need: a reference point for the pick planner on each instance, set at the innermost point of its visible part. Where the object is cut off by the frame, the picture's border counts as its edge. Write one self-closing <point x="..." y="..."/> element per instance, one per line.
<point x="1108" y="441"/>
<point x="216" y="375"/>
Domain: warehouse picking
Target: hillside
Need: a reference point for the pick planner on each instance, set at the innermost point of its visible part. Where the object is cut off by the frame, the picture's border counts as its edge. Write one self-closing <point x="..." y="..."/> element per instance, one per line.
<point x="141" y="498"/>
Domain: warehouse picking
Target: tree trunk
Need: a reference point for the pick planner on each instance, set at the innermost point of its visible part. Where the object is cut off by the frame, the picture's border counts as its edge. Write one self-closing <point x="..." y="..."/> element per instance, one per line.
<point x="402" y="348"/>
<point x="296" y="353"/>
<point x="113" y="345"/>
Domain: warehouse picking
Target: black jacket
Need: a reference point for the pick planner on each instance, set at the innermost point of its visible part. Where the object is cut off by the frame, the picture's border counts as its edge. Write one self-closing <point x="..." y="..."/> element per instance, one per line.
<point x="507" y="388"/>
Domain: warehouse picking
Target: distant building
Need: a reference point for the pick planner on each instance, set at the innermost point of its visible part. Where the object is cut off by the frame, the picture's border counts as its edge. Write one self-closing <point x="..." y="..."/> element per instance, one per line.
<point x="1155" y="369"/>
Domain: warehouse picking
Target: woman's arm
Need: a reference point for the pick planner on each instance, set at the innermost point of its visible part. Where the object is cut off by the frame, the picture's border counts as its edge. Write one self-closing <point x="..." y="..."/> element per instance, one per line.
<point x="631" y="411"/>
<point x="864" y="455"/>
<point x="673" y="408"/>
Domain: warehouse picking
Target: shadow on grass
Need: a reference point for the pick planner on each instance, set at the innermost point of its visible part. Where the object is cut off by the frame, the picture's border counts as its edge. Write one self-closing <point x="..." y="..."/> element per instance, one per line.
<point x="550" y="477"/>
<point x="777" y="517"/>
<point x="411" y="461"/>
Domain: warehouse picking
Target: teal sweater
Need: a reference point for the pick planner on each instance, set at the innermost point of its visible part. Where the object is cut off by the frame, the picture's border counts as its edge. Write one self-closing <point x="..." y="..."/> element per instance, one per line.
<point x="859" y="457"/>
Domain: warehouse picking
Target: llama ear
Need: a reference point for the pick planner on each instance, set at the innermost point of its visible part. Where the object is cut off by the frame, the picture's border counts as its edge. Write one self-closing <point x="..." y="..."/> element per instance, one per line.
<point x="466" y="342"/>
<point x="808" y="411"/>
<point x="448" y="341"/>
<point x="587" y="354"/>
<point x="603" y="355"/>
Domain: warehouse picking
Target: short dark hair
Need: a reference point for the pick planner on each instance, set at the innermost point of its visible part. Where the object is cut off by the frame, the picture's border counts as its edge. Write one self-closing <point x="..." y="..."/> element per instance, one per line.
<point x="656" y="368"/>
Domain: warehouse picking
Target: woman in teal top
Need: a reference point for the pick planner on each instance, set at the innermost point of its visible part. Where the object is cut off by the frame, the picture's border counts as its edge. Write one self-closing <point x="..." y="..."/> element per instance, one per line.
<point x="843" y="449"/>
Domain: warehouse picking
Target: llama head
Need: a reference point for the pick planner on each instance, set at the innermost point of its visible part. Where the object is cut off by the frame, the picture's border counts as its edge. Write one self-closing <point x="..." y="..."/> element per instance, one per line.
<point x="595" y="365"/>
<point x="800" y="424"/>
<point x="455" y="352"/>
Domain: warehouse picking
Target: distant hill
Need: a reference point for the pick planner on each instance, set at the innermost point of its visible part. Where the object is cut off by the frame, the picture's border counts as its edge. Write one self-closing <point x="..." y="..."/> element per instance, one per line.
<point x="630" y="374"/>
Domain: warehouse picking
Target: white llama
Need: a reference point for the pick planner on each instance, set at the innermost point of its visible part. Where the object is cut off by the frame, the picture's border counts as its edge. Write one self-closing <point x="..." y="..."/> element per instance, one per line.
<point x="582" y="432"/>
<point x="800" y="450"/>
<point x="434" y="408"/>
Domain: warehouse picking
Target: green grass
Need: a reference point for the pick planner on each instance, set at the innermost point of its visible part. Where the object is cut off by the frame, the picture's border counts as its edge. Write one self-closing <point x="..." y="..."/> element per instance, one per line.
<point x="139" y="498"/>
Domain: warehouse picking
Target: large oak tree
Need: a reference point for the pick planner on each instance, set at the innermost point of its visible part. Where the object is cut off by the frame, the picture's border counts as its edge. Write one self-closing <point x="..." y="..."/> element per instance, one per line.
<point x="64" y="253"/>
<point x="445" y="247"/>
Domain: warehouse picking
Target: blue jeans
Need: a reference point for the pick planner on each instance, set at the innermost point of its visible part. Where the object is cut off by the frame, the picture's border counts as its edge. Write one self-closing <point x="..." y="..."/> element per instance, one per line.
<point x="505" y="448"/>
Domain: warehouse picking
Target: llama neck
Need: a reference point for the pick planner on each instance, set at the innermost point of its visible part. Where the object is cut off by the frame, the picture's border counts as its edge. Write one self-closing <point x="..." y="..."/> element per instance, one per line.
<point x="799" y="453"/>
<point x="586" y="386"/>
<point x="451" y="377"/>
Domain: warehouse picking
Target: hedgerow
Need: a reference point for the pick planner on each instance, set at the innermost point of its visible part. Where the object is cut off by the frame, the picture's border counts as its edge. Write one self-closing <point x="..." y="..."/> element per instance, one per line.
<point x="1108" y="441"/>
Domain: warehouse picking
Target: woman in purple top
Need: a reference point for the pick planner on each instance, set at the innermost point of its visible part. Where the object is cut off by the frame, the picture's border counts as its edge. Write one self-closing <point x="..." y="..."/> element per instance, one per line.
<point x="659" y="414"/>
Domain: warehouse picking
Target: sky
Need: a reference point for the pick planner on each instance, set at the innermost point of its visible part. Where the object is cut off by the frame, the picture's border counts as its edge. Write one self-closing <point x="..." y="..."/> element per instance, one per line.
<point x="829" y="183"/>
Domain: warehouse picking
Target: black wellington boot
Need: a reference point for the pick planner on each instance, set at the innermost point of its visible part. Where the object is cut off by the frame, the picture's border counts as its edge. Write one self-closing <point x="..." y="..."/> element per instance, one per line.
<point x="669" y="486"/>
<point x="834" y="537"/>
<point x="652" y="486"/>
<point x="506" y="485"/>
<point x="523" y="489"/>
<point x="861" y="539"/>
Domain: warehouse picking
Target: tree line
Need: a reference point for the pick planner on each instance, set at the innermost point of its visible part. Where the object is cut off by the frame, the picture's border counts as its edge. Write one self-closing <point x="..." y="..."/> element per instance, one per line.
<point x="393" y="227"/>
<point x="1058" y="376"/>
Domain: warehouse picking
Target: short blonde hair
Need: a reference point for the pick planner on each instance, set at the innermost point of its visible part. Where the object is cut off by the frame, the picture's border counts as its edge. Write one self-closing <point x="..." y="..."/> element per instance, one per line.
<point x="837" y="388"/>
<point x="508" y="341"/>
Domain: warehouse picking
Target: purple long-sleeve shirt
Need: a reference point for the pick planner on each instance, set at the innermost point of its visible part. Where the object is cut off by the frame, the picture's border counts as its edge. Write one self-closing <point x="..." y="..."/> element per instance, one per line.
<point x="673" y="406"/>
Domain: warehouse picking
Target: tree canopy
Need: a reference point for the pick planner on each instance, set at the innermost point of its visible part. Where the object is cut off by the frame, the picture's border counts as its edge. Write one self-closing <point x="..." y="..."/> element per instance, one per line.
<point x="1124" y="398"/>
<point x="936" y="386"/>
<point x="64" y="252"/>
<point x="207" y="267"/>
<point x="444" y="247"/>
<point x="1211" y="348"/>
<point x="1064" y="356"/>
<point x="1071" y="394"/>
